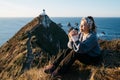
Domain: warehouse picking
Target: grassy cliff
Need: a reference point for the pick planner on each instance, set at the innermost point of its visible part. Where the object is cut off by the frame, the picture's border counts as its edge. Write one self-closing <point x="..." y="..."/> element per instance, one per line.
<point x="109" y="69"/>
<point x="31" y="47"/>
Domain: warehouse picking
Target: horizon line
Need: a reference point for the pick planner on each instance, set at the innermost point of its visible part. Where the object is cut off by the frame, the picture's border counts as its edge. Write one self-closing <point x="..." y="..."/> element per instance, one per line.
<point x="59" y="16"/>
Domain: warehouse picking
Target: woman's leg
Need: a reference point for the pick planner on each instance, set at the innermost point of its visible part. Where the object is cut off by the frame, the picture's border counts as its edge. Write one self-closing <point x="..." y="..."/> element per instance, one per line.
<point x="61" y="57"/>
<point x="66" y="63"/>
<point x="52" y="67"/>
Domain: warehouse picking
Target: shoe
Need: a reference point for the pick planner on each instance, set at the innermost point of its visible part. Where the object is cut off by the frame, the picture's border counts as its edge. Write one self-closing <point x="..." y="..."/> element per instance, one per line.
<point x="56" y="76"/>
<point x="49" y="69"/>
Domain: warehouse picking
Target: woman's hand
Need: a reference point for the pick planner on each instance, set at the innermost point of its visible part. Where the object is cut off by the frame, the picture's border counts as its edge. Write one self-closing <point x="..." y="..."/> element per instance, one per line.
<point x="72" y="33"/>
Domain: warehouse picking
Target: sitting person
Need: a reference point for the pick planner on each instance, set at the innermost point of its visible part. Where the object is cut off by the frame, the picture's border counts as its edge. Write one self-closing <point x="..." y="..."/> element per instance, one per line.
<point x="83" y="46"/>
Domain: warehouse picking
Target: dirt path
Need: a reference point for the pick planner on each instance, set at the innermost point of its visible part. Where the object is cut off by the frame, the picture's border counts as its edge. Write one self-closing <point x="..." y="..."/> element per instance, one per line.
<point x="29" y="56"/>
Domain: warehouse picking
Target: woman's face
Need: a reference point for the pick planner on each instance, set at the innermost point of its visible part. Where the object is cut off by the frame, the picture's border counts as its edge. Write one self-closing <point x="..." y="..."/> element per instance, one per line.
<point x="84" y="27"/>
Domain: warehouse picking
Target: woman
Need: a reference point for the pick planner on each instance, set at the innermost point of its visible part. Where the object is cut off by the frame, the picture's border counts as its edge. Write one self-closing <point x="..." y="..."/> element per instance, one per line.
<point x="83" y="46"/>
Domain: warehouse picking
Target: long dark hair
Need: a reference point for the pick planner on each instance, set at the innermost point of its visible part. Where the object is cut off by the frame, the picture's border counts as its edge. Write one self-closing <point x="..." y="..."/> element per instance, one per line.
<point x="93" y="28"/>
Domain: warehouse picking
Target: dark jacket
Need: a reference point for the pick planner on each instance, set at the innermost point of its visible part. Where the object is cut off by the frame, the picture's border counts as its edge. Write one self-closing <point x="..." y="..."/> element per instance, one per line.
<point x="89" y="46"/>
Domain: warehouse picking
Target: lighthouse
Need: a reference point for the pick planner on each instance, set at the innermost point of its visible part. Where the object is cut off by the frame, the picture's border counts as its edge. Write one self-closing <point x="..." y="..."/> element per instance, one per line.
<point x="44" y="19"/>
<point x="43" y="13"/>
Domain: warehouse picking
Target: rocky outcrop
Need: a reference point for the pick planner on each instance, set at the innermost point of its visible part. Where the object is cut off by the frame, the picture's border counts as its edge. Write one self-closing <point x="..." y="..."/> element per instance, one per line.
<point x="32" y="46"/>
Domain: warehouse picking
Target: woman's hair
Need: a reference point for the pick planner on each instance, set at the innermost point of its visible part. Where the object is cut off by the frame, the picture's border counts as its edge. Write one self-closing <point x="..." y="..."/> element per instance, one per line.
<point x="90" y="21"/>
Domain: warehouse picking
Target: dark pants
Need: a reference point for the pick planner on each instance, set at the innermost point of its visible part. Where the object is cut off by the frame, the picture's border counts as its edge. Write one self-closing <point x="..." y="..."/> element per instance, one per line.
<point x="66" y="59"/>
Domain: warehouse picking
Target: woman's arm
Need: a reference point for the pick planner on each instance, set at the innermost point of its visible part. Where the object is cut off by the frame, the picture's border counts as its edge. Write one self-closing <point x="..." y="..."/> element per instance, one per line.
<point x="70" y="43"/>
<point x="87" y="45"/>
<point x="71" y="33"/>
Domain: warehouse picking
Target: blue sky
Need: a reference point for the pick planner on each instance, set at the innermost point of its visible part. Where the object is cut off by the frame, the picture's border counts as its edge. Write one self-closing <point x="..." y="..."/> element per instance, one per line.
<point x="60" y="8"/>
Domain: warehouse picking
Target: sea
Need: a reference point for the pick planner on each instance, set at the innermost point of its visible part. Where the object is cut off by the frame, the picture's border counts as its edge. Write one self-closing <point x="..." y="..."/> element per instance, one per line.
<point x="108" y="28"/>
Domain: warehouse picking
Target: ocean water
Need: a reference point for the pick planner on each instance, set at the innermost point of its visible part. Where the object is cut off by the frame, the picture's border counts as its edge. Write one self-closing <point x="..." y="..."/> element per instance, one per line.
<point x="109" y="26"/>
<point x="10" y="26"/>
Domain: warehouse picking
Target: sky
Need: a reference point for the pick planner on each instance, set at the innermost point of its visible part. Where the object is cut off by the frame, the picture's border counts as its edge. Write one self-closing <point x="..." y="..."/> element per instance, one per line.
<point x="60" y="8"/>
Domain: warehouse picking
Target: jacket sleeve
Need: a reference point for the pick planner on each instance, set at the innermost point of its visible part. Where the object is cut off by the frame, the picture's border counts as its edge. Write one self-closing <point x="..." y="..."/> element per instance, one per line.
<point x="70" y="44"/>
<point x="85" y="46"/>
